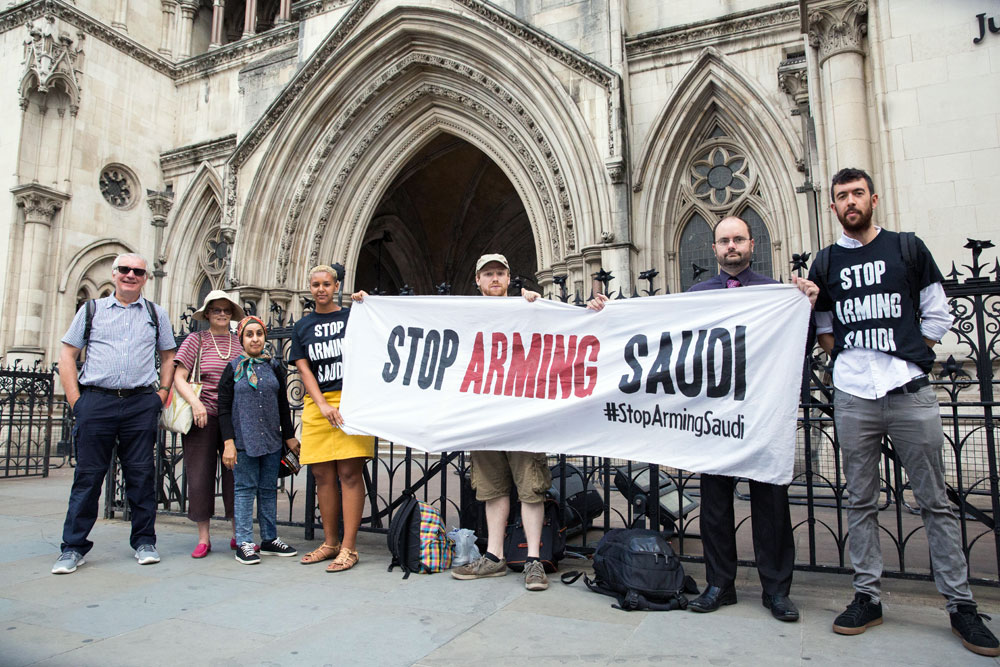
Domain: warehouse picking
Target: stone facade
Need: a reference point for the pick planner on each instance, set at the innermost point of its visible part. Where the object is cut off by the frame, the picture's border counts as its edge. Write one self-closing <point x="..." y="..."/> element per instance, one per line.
<point x="235" y="147"/>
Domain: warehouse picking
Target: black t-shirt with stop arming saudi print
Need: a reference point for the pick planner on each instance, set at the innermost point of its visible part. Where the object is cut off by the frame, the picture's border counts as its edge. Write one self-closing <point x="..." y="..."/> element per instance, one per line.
<point x="868" y="289"/>
<point x="318" y="338"/>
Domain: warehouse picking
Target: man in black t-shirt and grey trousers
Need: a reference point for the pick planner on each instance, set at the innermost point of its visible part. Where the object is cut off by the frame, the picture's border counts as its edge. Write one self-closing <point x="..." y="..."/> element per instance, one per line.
<point x="880" y="310"/>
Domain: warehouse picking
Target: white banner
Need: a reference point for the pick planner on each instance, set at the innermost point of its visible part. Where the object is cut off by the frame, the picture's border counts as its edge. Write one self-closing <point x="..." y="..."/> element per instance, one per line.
<point x="704" y="381"/>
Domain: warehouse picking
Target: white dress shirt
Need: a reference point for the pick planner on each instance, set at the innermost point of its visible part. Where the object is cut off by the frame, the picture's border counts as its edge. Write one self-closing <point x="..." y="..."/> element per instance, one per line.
<point x="871" y="374"/>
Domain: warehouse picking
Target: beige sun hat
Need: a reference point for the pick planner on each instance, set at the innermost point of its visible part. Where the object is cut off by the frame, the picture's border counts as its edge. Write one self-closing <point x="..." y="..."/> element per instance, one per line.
<point x="215" y="295"/>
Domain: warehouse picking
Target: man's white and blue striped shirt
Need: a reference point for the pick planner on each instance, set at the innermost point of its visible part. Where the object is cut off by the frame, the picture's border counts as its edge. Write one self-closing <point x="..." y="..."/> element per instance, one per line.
<point x="120" y="353"/>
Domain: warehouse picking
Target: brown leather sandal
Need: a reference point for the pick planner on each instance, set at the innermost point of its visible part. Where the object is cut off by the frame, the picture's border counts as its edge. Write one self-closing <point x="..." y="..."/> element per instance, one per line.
<point x="321" y="553"/>
<point x="345" y="560"/>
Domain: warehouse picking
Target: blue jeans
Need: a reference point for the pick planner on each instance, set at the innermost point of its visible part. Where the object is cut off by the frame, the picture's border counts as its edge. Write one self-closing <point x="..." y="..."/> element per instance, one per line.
<point x="256" y="477"/>
<point x="101" y="421"/>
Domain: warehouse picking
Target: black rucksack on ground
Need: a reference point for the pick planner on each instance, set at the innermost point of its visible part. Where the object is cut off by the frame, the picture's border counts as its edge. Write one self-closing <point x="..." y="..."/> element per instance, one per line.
<point x="640" y="569"/>
<point x="553" y="546"/>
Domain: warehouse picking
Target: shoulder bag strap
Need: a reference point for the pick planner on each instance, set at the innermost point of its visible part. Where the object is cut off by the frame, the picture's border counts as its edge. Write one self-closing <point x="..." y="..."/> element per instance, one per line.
<point x="197" y="360"/>
<point x="151" y="309"/>
<point x="88" y="320"/>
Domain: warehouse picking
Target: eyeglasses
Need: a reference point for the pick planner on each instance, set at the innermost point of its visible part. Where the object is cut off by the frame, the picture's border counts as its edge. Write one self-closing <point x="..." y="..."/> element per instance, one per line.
<point x="220" y="311"/>
<point x="124" y="270"/>
<point x="739" y="240"/>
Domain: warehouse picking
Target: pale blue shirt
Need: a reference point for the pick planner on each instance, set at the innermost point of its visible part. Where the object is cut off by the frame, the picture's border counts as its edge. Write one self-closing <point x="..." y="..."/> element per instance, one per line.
<point x="121" y="351"/>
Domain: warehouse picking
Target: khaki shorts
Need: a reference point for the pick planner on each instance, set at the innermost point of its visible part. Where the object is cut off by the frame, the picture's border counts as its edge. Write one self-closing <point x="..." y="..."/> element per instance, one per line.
<point x="493" y="472"/>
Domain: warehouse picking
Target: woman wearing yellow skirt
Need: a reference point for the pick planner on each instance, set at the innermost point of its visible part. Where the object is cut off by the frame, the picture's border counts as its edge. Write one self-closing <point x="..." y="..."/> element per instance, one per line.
<point x="331" y="454"/>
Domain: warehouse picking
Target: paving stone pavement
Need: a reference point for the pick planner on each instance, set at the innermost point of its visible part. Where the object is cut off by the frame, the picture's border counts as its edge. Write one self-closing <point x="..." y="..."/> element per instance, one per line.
<point x="215" y="611"/>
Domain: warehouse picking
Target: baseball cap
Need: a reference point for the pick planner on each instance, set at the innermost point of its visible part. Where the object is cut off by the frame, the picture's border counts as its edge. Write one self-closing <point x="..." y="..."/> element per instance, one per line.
<point x="486" y="259"/>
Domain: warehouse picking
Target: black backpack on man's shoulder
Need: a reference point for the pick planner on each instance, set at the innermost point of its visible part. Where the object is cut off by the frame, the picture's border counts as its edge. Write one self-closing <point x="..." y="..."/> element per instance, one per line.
<point x="639" y="568"/>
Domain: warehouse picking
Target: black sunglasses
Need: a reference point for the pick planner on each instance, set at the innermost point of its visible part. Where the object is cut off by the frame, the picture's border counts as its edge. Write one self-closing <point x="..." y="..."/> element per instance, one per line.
<point x="124" y="270"/>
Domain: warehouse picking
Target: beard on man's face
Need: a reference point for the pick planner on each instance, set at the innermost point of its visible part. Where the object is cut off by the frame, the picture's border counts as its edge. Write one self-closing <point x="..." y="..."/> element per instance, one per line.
<point x="855" y="219"/>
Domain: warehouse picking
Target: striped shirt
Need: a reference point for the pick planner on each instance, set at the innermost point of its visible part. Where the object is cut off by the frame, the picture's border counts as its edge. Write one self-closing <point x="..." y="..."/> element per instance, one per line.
<point x="212" y="364"/>
<point x="120" y="353"/>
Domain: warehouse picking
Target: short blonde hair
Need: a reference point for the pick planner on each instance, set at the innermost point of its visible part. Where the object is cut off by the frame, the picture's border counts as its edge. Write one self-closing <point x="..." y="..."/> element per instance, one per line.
<point x="324" y="268"/>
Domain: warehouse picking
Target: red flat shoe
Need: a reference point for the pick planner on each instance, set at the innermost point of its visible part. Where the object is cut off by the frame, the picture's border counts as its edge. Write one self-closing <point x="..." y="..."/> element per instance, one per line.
<point x="201" y="551"/>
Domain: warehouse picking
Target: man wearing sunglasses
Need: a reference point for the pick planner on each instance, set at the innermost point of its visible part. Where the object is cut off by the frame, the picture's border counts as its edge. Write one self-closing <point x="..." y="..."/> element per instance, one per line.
<point x="116" y="399"/>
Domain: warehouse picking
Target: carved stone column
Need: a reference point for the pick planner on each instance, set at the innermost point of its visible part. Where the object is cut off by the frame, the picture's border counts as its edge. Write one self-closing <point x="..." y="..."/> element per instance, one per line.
<point x="284" y="12"/>
<point x="793" y="79"/>
<point x="838" y="30"/>
<point x="160" y="204"/>
<point x="189" y="9"/>
<point x="39" y="204"/>
<point x="120" y="21"/>
<point x="166" y="28"/>
<point x="250" y="19"/>
<point x="218" y="16"/>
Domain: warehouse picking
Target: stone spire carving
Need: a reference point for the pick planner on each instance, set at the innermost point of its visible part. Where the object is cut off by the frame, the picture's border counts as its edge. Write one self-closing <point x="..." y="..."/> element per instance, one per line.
<point x="793" y="79"/>
<point x="839" y="28"/>
<point x="51" y="60"/>
<point x="159" y="204"/>
<point x="40" y="203"/>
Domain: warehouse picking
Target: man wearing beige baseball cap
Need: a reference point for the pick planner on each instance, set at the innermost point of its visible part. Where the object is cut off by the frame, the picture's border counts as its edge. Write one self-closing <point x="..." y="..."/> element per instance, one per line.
<point x="493" y="472"/>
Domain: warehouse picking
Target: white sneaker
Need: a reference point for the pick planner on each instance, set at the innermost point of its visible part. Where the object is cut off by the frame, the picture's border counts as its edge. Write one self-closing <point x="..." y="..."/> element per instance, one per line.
<point x="146" y="554"/>
<point x="67" y="562"/>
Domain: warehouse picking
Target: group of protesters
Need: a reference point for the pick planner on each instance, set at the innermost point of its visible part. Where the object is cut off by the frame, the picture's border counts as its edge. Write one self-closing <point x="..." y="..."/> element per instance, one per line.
<point x="241" y="417"/>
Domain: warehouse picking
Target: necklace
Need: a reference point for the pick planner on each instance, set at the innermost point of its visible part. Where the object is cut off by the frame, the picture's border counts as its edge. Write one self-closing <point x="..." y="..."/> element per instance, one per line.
<point x="229" y="353"/>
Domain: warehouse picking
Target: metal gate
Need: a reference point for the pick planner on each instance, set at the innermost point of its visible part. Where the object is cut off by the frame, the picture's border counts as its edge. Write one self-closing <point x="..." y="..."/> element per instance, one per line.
<point x="624" y="492"/>
<point x="25" y="420"/>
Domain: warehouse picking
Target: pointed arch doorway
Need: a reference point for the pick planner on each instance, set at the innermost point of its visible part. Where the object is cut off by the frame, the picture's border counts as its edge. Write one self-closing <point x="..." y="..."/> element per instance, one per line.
<point x="449" y="204"/>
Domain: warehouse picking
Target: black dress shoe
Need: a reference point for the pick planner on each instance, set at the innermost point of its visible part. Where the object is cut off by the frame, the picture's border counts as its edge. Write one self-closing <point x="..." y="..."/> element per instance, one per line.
<point x="782" y="608"/>
<point x="713" y="598"/>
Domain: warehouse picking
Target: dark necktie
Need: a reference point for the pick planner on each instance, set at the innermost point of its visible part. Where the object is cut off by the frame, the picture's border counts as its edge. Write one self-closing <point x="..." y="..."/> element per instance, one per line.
<point x="733" y="282"/>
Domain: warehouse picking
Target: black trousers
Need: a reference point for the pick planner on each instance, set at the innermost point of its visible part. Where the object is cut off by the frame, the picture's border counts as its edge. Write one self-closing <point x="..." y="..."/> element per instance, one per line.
<point x="101" y="422"/>
<point x="773" y="544"/>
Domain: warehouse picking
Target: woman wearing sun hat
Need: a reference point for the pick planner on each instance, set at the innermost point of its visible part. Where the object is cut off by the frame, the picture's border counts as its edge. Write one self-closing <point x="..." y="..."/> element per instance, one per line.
<point x="211" y="351"/>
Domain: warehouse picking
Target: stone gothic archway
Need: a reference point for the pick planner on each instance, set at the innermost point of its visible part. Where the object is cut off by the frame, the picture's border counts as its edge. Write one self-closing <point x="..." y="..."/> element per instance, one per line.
<point x="193" y="252"/>
<point x="448" y="204"/>
<point x="715" y="106"/>
<point x="308" y="190"/>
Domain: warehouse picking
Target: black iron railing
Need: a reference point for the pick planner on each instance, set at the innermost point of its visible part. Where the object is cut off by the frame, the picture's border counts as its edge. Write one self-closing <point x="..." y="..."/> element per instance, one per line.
<point x="624" y="490"/>
<point x="26" y="404"/>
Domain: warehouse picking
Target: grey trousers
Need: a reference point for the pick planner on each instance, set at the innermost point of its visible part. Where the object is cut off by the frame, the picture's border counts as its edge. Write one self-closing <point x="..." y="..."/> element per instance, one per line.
<point x="913" y="422"/>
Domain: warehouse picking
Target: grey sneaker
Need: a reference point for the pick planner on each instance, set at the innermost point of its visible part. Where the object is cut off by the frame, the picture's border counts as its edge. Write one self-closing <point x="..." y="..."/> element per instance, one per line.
<point x="67" y="562"/>
<point x="146" y="554"/>
<point x="534" y="576"/>
<point x="480" y="569"/>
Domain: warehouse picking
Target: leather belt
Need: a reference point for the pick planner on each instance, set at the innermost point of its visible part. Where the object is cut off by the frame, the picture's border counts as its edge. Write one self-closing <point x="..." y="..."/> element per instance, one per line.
<point x="120" y="393"/>
<point x="913" y="386"/>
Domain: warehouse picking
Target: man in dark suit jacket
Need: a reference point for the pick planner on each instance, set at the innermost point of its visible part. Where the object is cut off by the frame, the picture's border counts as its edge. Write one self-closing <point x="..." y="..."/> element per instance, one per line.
<point x="773" y="545"/>
<point x="772" y="526"/>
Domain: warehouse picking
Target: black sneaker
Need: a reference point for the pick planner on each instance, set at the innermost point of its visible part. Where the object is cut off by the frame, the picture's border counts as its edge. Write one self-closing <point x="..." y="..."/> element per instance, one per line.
<point x="967" y="624"/>
<point x="859" y="616"/>
<point x="276" y="547"/>
<point x="247" y="555"/>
